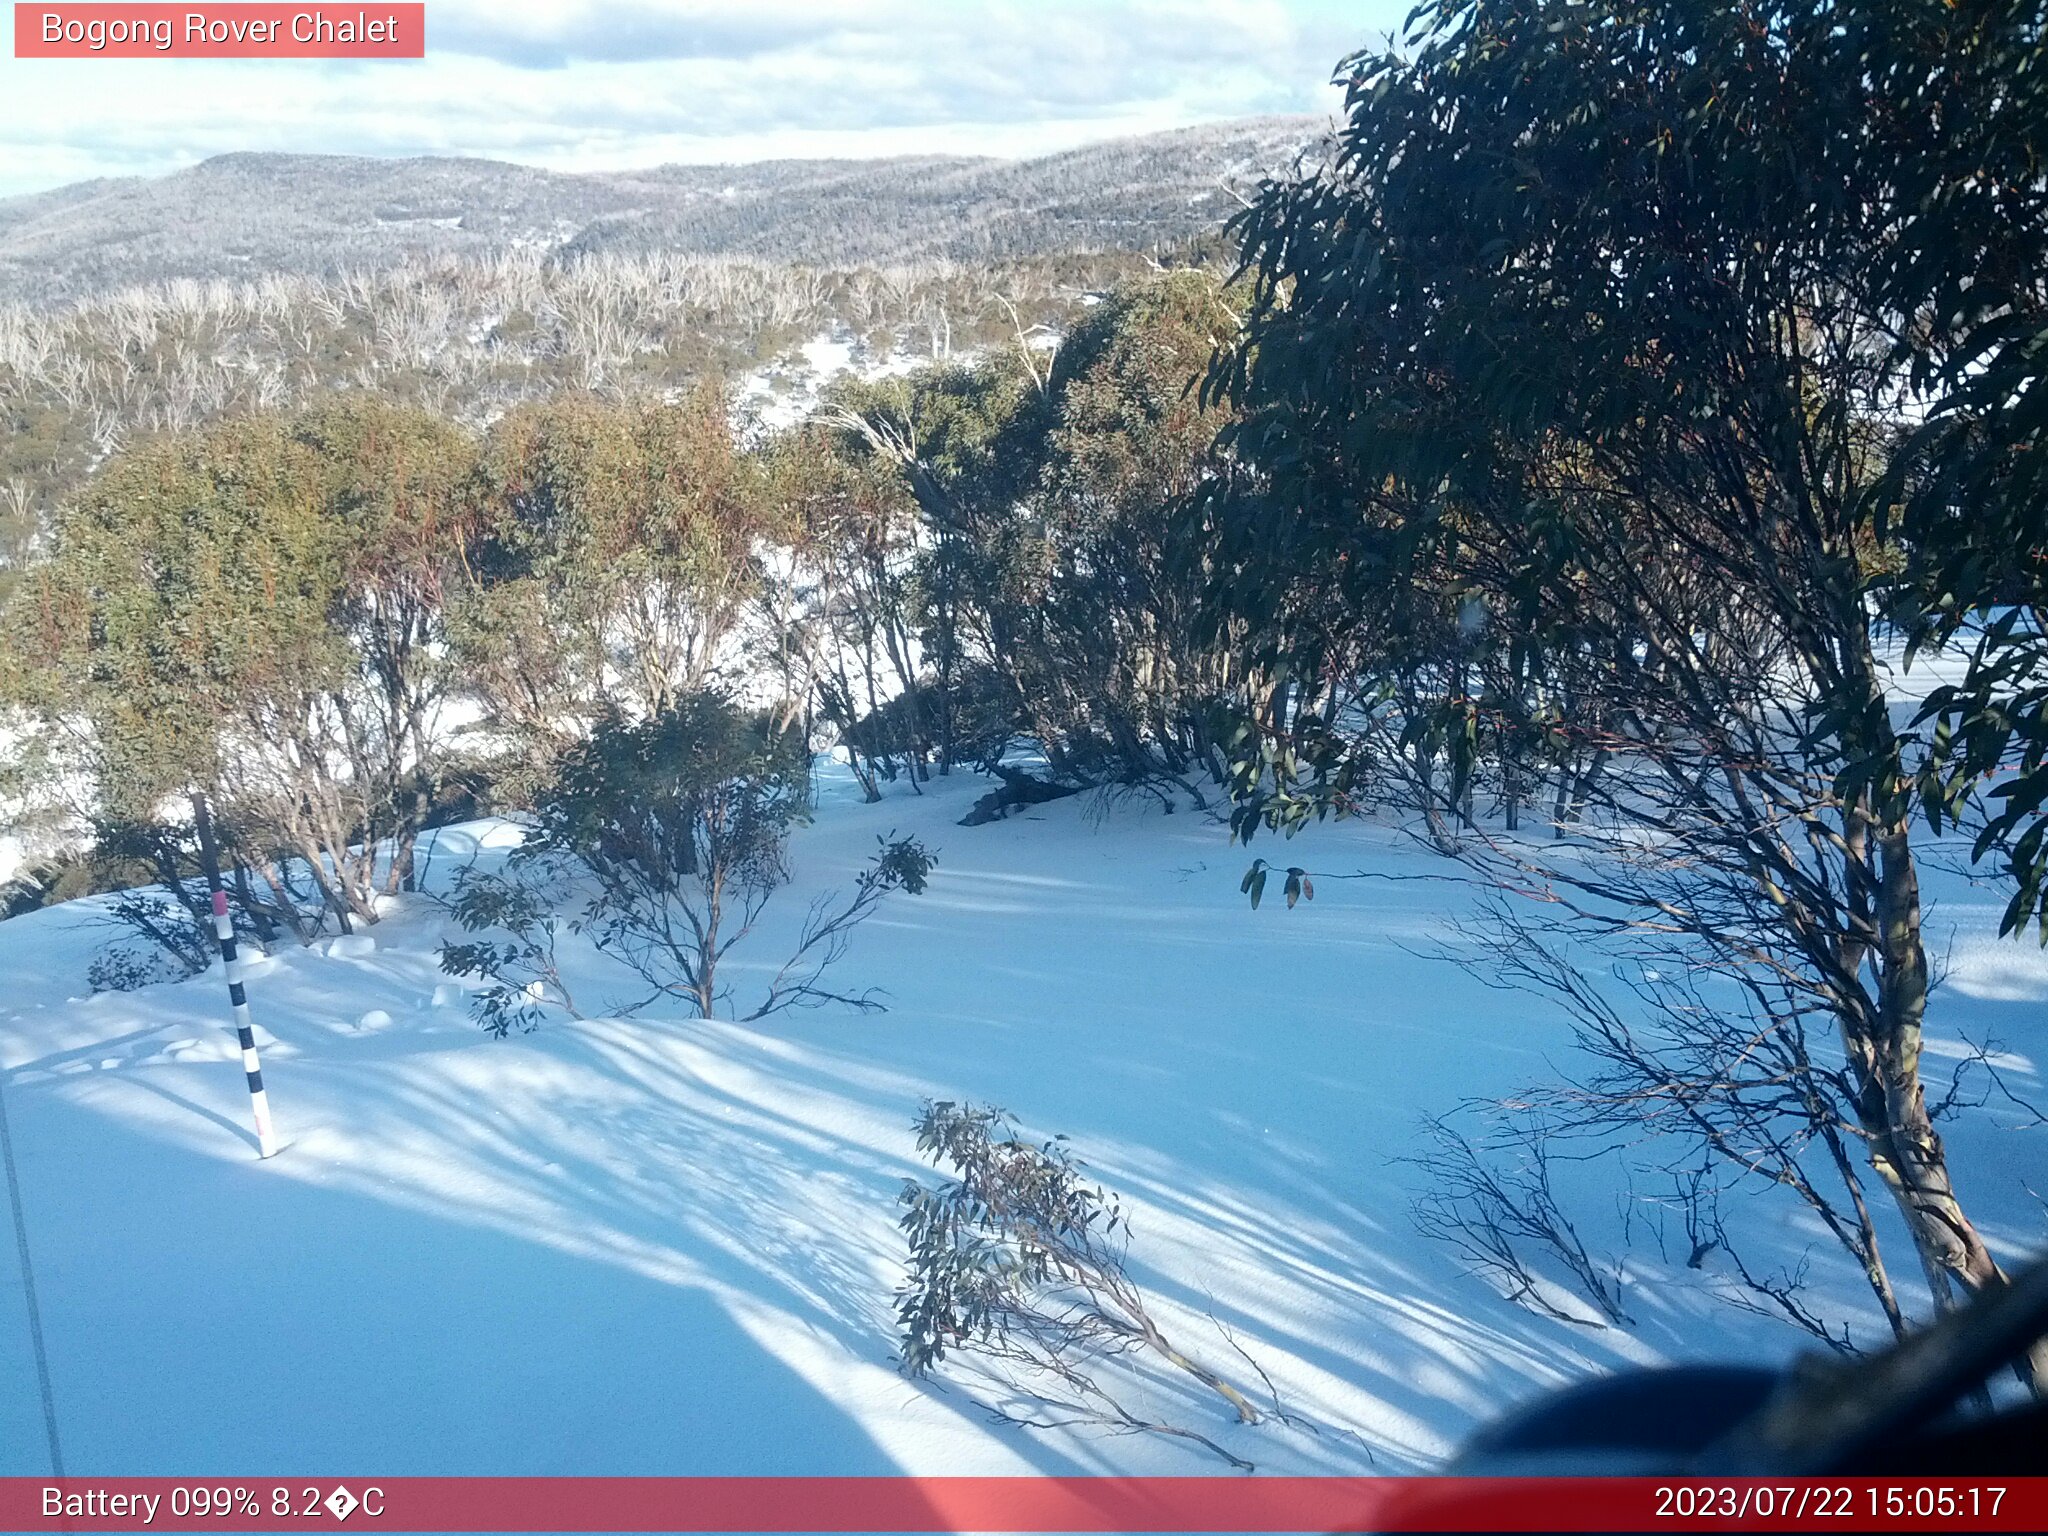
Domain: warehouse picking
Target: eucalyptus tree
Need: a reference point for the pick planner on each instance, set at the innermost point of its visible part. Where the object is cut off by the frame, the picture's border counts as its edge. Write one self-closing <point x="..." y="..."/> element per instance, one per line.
<point x="1967" y="255"/>
<point x="1050" y="553"/>
<point x="961" y="443"/>
<point x="255" y="611"/>
<point x="1592" y="349"/>
<point x="617" y="564"/>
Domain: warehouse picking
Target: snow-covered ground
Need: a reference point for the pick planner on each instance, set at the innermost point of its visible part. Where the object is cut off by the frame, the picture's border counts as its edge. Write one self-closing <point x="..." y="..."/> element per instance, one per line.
<point x="663" y="1246"/>
<point x="783" y="392"/>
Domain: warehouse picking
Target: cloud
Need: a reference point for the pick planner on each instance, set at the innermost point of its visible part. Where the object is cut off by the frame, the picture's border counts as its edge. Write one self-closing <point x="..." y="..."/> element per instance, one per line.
<point x="555" y="36"/>
<point x="616" y="86"/>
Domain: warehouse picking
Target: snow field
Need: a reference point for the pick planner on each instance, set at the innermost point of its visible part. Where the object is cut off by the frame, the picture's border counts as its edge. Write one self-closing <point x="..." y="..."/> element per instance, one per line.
<point x="657" y="1246"/>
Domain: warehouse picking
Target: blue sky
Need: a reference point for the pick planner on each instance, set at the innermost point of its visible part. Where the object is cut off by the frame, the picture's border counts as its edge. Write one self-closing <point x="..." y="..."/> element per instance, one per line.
<point x="612" y="86"/>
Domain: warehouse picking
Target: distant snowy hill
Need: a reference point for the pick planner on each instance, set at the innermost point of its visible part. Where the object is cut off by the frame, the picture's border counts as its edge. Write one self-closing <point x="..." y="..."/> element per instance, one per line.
<point x="243" y="215"/>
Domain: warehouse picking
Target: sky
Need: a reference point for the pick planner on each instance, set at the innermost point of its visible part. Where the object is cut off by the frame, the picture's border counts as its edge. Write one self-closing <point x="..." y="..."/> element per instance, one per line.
<point x="614" y="86"/>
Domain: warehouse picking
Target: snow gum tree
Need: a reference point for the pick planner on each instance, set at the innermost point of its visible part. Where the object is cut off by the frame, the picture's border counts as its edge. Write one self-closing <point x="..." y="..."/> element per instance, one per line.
<point x="620" y="559"/>
<point x="1130" y="444"/>
<point x="957" y="442"/>
<point x="254" y="611"/>
<point x="1967" y="253"/>
<point x="857" y="634"/>
<point x="682" y="821"/>
<point x="1584" y="369"/>
<point x="1050" y="557"/>
<point x="679" y="825"/>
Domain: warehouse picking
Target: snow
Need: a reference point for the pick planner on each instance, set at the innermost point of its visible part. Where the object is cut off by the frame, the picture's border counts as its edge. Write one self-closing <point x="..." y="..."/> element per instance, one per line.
<point x="657" y="1246"/>
<point x="786" y="390"/>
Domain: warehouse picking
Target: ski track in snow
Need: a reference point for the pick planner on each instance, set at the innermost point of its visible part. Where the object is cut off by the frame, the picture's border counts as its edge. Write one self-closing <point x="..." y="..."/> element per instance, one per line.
<point x="657" y="1246"/>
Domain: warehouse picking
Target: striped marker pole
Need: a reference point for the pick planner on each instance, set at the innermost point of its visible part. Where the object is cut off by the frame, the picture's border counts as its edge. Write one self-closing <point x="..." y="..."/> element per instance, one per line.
<point x="224" y="929"/>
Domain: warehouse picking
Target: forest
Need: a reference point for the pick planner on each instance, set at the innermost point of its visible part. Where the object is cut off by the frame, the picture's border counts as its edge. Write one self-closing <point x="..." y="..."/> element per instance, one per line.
<point x="1617" y="463"/>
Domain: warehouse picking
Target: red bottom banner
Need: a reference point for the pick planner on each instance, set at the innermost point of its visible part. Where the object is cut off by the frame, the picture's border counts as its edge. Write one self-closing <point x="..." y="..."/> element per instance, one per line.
<point x="1005" y="1504"/>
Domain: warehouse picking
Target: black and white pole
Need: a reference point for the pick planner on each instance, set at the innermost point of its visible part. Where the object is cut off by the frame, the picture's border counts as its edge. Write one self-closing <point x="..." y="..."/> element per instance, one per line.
<point x="224" y="929"/>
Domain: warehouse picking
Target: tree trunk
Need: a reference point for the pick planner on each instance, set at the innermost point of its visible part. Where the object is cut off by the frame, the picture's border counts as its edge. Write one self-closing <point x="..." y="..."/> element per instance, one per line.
<point x="1582" y="791"/>
<point x="287" y="901"/>
<point x="405" y="840"/>
<point x="1906" y="1151"/>
<point x="245" y="898"/>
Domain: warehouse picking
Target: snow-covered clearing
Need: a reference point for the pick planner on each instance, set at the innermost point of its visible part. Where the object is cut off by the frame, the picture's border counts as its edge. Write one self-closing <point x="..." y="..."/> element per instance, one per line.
<point x="656" y="1246"/>
<point x="783" y="392"/>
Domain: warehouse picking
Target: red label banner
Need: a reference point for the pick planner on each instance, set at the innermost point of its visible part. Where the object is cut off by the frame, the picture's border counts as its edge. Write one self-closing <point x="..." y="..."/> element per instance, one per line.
<point x="238" y="31"/>
<point x="1005" y="1504"/>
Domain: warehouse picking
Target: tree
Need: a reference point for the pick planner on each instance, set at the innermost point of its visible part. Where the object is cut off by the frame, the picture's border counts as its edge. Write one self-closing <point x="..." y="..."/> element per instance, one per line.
<point x="1131" y="443"/>
<point x="857" y="625"/>
<point x="1582" y="346"/>
<point x="1966" y="254"/>
<point x="254" y="610"/>
<point x="618" y="560"/>
<point x="1049" y="555"/>
<point x="960" y="442"/>
<point x="399" y="484"/>
<point x="680" y="826"/>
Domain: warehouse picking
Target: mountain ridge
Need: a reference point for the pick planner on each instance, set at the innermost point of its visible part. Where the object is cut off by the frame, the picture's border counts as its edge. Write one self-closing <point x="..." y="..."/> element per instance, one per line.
<point x="249" y="213"/>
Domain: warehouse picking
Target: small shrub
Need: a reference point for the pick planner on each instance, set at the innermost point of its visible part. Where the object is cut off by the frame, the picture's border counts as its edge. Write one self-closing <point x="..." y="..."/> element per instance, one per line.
<point x="677" y="827"/>
<point x="127" y="967"/>
<point x="1020" y="1260"/>
<point x="525" y="976"/>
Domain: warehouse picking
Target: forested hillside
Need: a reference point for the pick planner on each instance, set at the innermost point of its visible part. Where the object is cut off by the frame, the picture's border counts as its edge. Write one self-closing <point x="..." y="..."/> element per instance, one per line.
<point x="467" y="337"/>
<point x="250" y="215"/>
